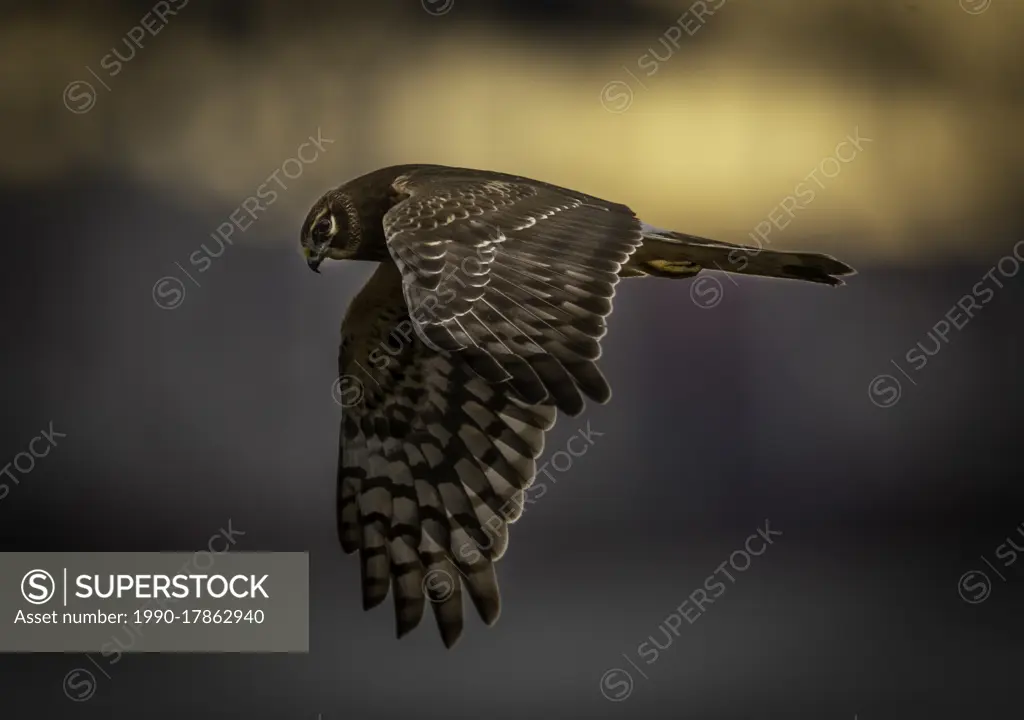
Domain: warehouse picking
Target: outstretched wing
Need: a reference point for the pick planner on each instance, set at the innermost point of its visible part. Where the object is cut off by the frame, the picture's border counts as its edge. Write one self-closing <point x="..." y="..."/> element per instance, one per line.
<point x="434" y="464"/>
<point x="507" y="284"/>
<point x="515" y="274"/>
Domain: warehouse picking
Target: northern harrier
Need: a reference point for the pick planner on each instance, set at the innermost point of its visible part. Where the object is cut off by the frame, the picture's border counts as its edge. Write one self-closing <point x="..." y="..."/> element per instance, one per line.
<point x="483" y="318"/>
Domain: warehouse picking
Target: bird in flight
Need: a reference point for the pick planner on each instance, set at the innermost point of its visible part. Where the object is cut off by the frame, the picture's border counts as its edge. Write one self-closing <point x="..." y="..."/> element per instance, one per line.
<point x="483" y="318"/>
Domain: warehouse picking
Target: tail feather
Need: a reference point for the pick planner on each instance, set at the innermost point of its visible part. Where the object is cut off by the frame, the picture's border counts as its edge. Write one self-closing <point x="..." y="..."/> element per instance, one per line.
<point x="671" y="254"/>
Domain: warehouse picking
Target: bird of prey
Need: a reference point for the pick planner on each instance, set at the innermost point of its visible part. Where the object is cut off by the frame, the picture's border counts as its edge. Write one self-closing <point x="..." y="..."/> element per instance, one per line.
<point x="483" y="319"/>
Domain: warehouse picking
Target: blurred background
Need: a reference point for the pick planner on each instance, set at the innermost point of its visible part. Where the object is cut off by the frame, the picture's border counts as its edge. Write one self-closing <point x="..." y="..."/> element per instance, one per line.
<point x="192" y="376"/>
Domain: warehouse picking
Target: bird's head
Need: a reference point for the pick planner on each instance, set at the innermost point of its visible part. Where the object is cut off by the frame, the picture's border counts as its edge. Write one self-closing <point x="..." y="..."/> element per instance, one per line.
<point x="330" y="230"/>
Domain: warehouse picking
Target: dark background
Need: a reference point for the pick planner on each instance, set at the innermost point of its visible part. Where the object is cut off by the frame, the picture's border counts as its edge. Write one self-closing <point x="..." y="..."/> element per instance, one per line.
<point x="179" y="421"/>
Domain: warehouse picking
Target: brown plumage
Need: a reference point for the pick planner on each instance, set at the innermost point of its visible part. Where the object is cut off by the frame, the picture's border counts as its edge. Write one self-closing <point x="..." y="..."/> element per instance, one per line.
<point x="483" y="318"/>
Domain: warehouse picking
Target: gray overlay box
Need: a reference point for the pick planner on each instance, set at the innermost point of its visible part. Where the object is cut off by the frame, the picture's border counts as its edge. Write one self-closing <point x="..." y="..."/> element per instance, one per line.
<point x="42" y="608"/>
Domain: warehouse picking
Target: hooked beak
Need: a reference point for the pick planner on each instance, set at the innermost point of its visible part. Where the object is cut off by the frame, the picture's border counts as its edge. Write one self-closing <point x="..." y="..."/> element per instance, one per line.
<point x="314" y="258"/>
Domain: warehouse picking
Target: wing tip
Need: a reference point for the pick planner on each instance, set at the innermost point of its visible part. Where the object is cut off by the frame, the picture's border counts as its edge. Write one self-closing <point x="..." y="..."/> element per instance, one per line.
<point x="450" y="639"/>
<point x="372" y="599"/>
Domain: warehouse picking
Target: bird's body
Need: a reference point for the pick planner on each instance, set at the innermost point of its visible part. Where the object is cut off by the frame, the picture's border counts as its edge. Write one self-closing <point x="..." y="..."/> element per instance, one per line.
<point x="483" y="319"/>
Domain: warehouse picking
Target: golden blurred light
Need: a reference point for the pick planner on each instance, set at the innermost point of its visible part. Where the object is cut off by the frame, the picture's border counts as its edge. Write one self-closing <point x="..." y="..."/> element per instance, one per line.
<point x="724" y="130"/>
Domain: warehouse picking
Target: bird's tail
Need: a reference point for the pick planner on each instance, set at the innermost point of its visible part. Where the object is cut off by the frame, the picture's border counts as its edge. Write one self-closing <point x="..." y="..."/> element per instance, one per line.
<point x="671" y="254"/>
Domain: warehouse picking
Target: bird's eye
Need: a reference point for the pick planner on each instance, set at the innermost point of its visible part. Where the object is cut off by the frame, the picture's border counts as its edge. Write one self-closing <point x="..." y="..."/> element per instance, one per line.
<point x="323" y="226"/>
